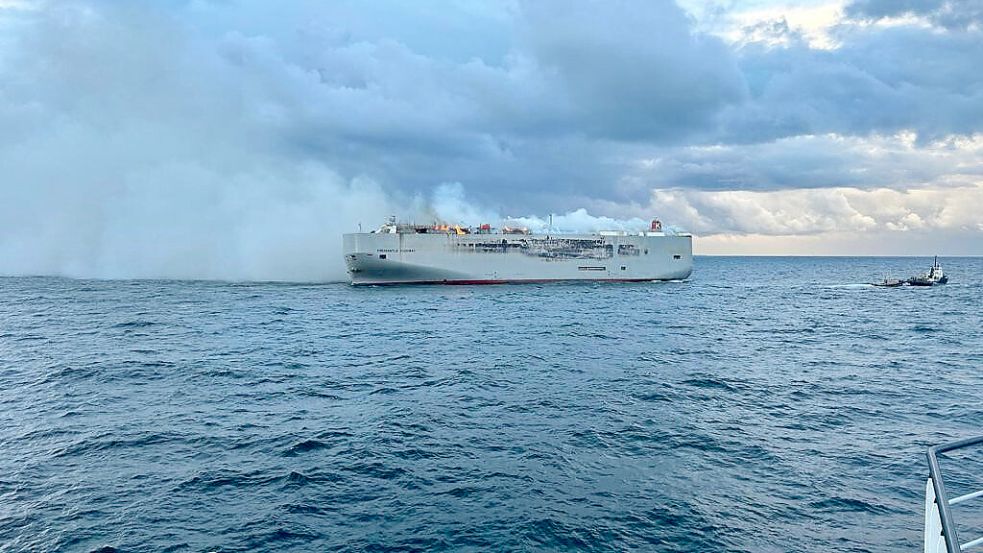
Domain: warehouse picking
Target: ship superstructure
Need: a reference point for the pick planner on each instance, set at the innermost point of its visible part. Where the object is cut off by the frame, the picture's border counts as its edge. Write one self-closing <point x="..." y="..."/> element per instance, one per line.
<point x="449" y="254"/>
<point x="932" y="277"/>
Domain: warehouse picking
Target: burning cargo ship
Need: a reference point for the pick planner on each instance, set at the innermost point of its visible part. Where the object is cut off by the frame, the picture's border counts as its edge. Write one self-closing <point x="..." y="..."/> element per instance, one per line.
<point x="444" y="254"/>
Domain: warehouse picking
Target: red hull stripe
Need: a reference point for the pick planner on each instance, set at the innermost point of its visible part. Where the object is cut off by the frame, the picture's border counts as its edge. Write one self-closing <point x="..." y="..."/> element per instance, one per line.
<point x="519" y="281"/>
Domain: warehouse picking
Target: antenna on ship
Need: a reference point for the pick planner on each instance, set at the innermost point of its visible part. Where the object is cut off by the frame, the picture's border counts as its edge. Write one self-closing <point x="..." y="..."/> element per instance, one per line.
<point x="551" y="222"/>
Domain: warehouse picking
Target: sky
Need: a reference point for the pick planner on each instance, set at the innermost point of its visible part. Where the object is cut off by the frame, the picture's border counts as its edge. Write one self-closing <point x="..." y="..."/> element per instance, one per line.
<point x="237" y="139"/>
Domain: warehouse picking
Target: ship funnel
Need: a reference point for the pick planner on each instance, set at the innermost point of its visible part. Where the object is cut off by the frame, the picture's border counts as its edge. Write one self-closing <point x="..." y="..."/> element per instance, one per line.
<point x="656" y="225"/>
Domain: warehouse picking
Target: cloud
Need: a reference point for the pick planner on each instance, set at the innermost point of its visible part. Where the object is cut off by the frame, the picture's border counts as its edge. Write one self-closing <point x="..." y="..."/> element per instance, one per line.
<point x="879" y="81"/>
<point x="772" y="23"/>
<point x="949" y="14"/>
<point x="631" y="70"/>
<point x="873" y="243"/>
<point x="239" y="139"/>
<point x="813" y="161"/>
<point x="817" y="211"/>
<point x="840" y="70"/>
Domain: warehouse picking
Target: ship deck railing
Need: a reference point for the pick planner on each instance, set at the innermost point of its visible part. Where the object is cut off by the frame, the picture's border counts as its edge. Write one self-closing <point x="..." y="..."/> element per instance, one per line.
<point x="941" y="535"/>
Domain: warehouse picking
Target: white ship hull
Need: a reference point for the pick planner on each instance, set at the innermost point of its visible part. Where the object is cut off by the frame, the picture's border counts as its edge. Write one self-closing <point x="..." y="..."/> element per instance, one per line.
<point x="406" y="258"/>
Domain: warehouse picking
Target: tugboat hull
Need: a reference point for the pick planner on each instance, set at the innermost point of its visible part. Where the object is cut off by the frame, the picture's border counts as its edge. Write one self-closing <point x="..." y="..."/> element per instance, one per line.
<point x="931" y="278"/>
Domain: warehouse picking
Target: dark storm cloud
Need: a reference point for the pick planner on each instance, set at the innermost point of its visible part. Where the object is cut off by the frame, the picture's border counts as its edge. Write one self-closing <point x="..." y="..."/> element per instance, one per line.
<point x="217" y="138"/>
<point x="810" y="162"/>
<point x="631" y="70"/>
<point x="551" y="100"/>
<point x="539" y="115"/>
<point x="880" y="80"/>
<point x="534" y="96"/>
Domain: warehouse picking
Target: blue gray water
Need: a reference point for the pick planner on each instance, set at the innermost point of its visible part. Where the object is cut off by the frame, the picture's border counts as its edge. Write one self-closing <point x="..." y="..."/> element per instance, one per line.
<point x="767" y="404"/>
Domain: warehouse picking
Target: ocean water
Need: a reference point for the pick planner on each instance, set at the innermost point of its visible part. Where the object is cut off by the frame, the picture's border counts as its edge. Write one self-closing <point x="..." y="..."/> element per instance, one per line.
<point x="766" y="404"/>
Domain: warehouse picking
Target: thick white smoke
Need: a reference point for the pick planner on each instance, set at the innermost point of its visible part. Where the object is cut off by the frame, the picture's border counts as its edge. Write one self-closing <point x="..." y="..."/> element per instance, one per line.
<point x="129" y="150"/>
<point x="449" y="204"/>
<point x="125" y="158"/>
<point x="578" y="220"/>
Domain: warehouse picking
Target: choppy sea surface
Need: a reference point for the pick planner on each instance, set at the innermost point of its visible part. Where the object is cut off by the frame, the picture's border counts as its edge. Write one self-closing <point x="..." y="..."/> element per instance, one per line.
<point x="764" y="405"/>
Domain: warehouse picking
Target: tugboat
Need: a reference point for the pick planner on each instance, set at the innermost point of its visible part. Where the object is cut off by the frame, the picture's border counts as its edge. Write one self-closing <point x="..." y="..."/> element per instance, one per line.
<point x="931" y="278"/>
